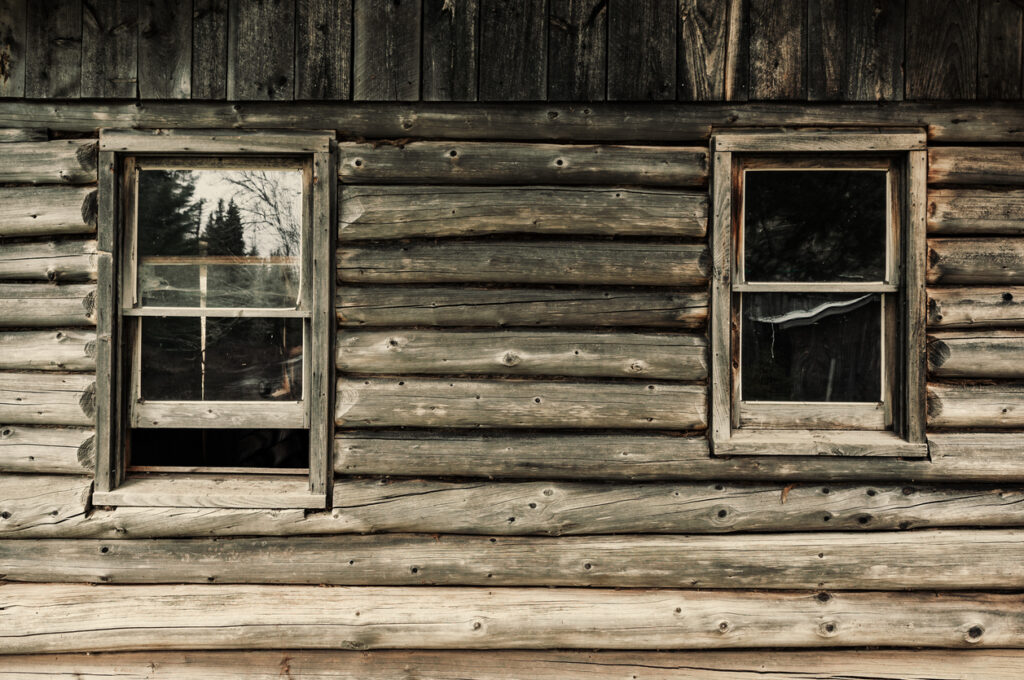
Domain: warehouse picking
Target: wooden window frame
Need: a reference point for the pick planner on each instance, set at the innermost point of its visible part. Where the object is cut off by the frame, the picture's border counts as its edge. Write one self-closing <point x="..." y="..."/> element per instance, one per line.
<point x="893" y="427"/>
<point x="120" y="151"/>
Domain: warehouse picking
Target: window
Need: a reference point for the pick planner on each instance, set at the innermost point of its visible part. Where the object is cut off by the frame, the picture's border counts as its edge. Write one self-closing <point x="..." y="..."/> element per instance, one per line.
<point x="219" y="375"/>
<point x="818" y="294"/>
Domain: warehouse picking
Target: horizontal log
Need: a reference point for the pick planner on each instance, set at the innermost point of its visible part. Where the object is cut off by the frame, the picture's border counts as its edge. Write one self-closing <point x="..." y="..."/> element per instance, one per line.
<point x="376" y="306"/>
<point x="917" y="560"/>
<point x="948" y="122"/>
<point x="596" y="355"/>
<point x="46" y="450"/>
<point x="47" y="398"/>
<point x="214" y="141"/>
<point x="60" y="350"/>
<point x="958" y="307"/>
<point x="976" y="165"/>
<point x="559" y="262"/>
<point x="40" y="618"/>
<point x="62" y="161"/>
<point x="21" y="135"/>
<point x="306" y="664"/>
<point x="433" y="402"/>
<point x="47" y="211"/>
<point x="388" y="212"/>
<point x="976" y="354"/>
<point x="212" y="491"/>
<point x="518" y="163"/>
<point x="42" y="503"/>
<point x="975" y="261"/>
<point x="49" y="261"/>
<point x="979" y="406"/>
<point x="32" y="305"/>
<point x="976" y="211"/>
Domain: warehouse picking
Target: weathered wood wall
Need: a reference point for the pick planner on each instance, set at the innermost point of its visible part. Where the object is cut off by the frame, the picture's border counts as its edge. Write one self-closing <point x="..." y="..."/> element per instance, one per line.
<point x="491" y="50"/>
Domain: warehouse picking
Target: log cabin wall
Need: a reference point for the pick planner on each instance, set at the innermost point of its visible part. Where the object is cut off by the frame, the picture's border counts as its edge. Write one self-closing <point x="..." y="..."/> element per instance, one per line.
<point x="522" y="474"/>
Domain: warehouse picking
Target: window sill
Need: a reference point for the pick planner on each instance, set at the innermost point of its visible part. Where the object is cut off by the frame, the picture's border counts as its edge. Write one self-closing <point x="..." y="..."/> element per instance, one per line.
<point x="876" y="444"/>
<point x="213" y="491"/>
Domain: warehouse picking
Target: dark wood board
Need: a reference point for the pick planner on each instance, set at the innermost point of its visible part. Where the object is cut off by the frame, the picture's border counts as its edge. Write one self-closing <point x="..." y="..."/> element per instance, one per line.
<point x="12" y="47"/>
<point x="323" y="50"/>
<point x="450" y="34"/>
<point x="110" y="43"/>
<point x="513" y="65"/>
<point x="703" y="49"/>
<point x="386" y="50"/>
<point x="165" y="49"/>
<point x="577" y="49"/>
<point x="54" y="49"/>
<point x="778" y="36"/>
<point x="261" y="49"/>
<point x="1000" y="43"/>
<point x="209" y="49"/>
<point x="642" y="50"/>
<point x="942" y="49"/>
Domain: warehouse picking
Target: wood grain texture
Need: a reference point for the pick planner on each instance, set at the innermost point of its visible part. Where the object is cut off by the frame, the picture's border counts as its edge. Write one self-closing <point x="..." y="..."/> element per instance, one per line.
<point x="61" y="350"/>
<point x="977" y="354"/>
<point x="537" y="307"/>
<point x="319" y="387"/>
<point x="215" y="141"/>
<point x="386" y="50"/>
<point x="8" y="135"/>
<point x="47" y="211"/>
<point x="1000" y="48"/>
<point x="13" y="48"/>
<point x="63" y="161"/>
<point x="976" y="211"/>
<point x="385" y="212"/>
<point x="577" y="50"/>
<point x="977" y="406"/>
<point x="29" y="305"/>
<point x="165" y="49"/>
<point x="642" y="50"/>
<point x="975" y="261"/>
<point x="962" y="307"/>
<point x="212" y="491"/>
<point x="557" y="353"/>
<point x="54" y="49"/>
<point x="31" y="501"/>
<point x="719" y="332"/>
<point x="976" y="165"/>
<point x="450" y="50"/>
<point x="500" y="163"/>
<point x="209" y="49"/>
<point x="55" y="261"/>
<point x="920" y="560"/>
<point x="914" y="299"/>
<point x="46" y="450"/>
<point x="778" y="37"/>
<point x="257" y="617"/>
<point x="261" y="49"/>
<point x="942" y="49"/>
<point x="434" y="402"/>
<point x="110" y="42"/>
<point x="47" y="398"/>
<point x="513" y="65"/>
<point x="539" y="262"/>
<point x="323" y="49"/>
<point x="702" y="50"/>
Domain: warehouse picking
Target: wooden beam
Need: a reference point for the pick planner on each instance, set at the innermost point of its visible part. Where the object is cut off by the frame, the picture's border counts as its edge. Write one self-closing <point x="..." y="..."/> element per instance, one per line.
<point x="48" y="398"/>
<point x="215" y="141"/>
<point x="976" y="211"/>
<point x="976" y="354"/>
<point x="47" y="211"/>
<point x="46" y="450"/>
<point x="49" y="350"/>
<point x="212" y="491"/>
<point x="49" y="261"/>
<point x="62" y="161"/>
<point x="976" y="165"/>
<point x="979" y="406"/>
<point x="975" y="261"/>
<point x="32" y="502"/>
<point x="962" y="307"/>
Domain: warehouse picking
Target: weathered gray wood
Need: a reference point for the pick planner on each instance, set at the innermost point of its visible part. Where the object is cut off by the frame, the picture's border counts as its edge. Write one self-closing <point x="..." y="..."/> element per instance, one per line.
<point x="499" y="163"/>
<point x="383" y="212"/>
<point x="817" y="442"/>
<point x="47" y="211"/>
<point x="36" y="306"/>
<point x="110" y="42"/>
<point x="950" y="123"/>
<point x="111" y="457"/>
<point x="47" y="398"/>
<point x="976" y="165"/>
<point x="914" y="300"/>
<point x="977" y="354"/>
<point x="261" y="50"/>
<point x="919" y="560"/>
<point x="642" y="50"/>
<point x="978" y="406"/>
<point x="976" y="211"/>
<point x="975" y="261"/>
<point x="54" y="49"/>
<point x="719" y="332"/>
<point x="961" y="307"/>
<point x="319" y="389"/>
<point x="577" y="50"/>
<point x="209" y="49"/>
<point x="942" y="49"/>
<point x="901" y="664"/>
<point x="258" y="617"/>
<point x="8" y="135"/>
<point x="1000" y="47"/>
<point x="212" y="491"/>
<point x="827" y="36"/>
<point x="513" y="55"/>
<point x="702" y="49"/>
<point x="215" y="141"/>
<point x="450" y="50"/>
<point x="386" y="50"/>
<point x="778" y="36"/>
<point x="565" y="262"/>
<point x="323" y="56"/>
<point x="601" y="355"/>
<point x="46" y="450"/>
<point x="821" y="141"/>
<point x="483" y="307"/>
<point x="432" y="402"/>
<point x="64" y="161"/>
<point x="32" y="502"/>
<point x="165" y="49"/>
<point x="13" y="29"/>
<point x="49" y="261"/>
<point x="63" y="350"/>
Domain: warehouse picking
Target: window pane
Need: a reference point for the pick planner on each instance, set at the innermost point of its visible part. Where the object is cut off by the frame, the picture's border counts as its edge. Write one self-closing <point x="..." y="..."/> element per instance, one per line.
<point x="220" y="448"/>
<point x="814" y="225"/>
<point x="221" y="359"/>
<point x="219" y="238"/>
<point x="811" y="347"/>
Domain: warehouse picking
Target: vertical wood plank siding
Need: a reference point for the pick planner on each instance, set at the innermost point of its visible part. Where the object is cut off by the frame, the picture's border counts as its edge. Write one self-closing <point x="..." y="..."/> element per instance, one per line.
<point x="450" y="37"/>
<point x="386" y="50"/>
<point x="13" y="31"/>
<point x="942" y="49"/>
<point x="323" y="49"/>
<point x="210" y="49"/>
<point x="261" y="49"/>
<point x="513" y="58"/>
<point x="110" y="48"/>
<point x="165" y="49"/>
<point x="641" y="50"/>
<point x="577" y="49"/>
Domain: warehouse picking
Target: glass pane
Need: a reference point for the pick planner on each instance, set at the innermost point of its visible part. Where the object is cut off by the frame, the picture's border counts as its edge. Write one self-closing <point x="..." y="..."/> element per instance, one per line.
<point x="221" y="359"/>
<point x="220" y="448"/>
<point x="814" y="225"/>
<point x="812" y="347"/>
<point x="219" y="238"/>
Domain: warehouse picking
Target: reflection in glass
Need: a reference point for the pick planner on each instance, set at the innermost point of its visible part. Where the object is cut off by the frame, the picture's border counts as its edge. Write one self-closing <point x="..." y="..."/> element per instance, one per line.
<point x="221" y="359"/>
<point x="220" y="448"/>
<point x="814" y="225"/>
<point x="811" y="347"/>
<point x="219" y="238"/>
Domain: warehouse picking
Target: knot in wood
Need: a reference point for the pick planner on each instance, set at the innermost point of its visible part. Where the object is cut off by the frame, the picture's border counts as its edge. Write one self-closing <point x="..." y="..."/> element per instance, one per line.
<point x="974" y="633"/>
<point x="828" y="629"/>
<point x="510" y="359"/>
